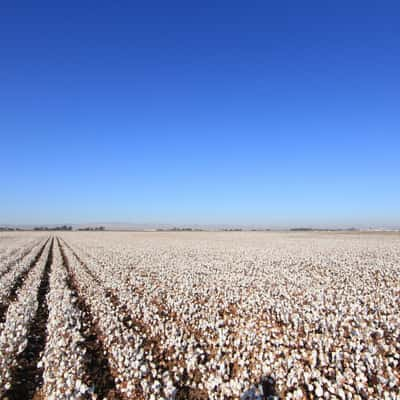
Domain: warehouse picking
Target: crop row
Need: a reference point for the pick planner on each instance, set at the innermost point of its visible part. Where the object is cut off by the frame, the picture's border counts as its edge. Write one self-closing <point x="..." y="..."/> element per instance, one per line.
<point x="12" y="279"/>
<point x="19" y="318"/>
<point x="64" y="357"/>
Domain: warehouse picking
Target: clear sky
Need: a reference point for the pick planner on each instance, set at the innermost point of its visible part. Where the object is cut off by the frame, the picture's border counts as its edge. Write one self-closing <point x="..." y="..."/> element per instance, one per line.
<point x="277" y="113"/>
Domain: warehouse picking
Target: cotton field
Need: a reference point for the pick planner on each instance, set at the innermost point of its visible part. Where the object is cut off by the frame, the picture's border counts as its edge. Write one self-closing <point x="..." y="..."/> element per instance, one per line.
<point x="199" y="315"/>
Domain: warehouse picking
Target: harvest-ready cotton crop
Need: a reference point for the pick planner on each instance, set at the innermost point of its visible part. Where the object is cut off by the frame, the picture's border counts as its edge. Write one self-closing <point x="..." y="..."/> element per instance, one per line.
<point x="200" y="315"/>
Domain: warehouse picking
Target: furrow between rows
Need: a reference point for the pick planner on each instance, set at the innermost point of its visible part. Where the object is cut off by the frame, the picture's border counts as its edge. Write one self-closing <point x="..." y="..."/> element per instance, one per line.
<point x="121" y="345"/>
<point x="98" y="375"/>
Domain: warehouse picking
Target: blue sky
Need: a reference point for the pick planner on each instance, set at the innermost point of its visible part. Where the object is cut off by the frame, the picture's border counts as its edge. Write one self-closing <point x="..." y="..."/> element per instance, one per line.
<point x="274" y="113"/>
